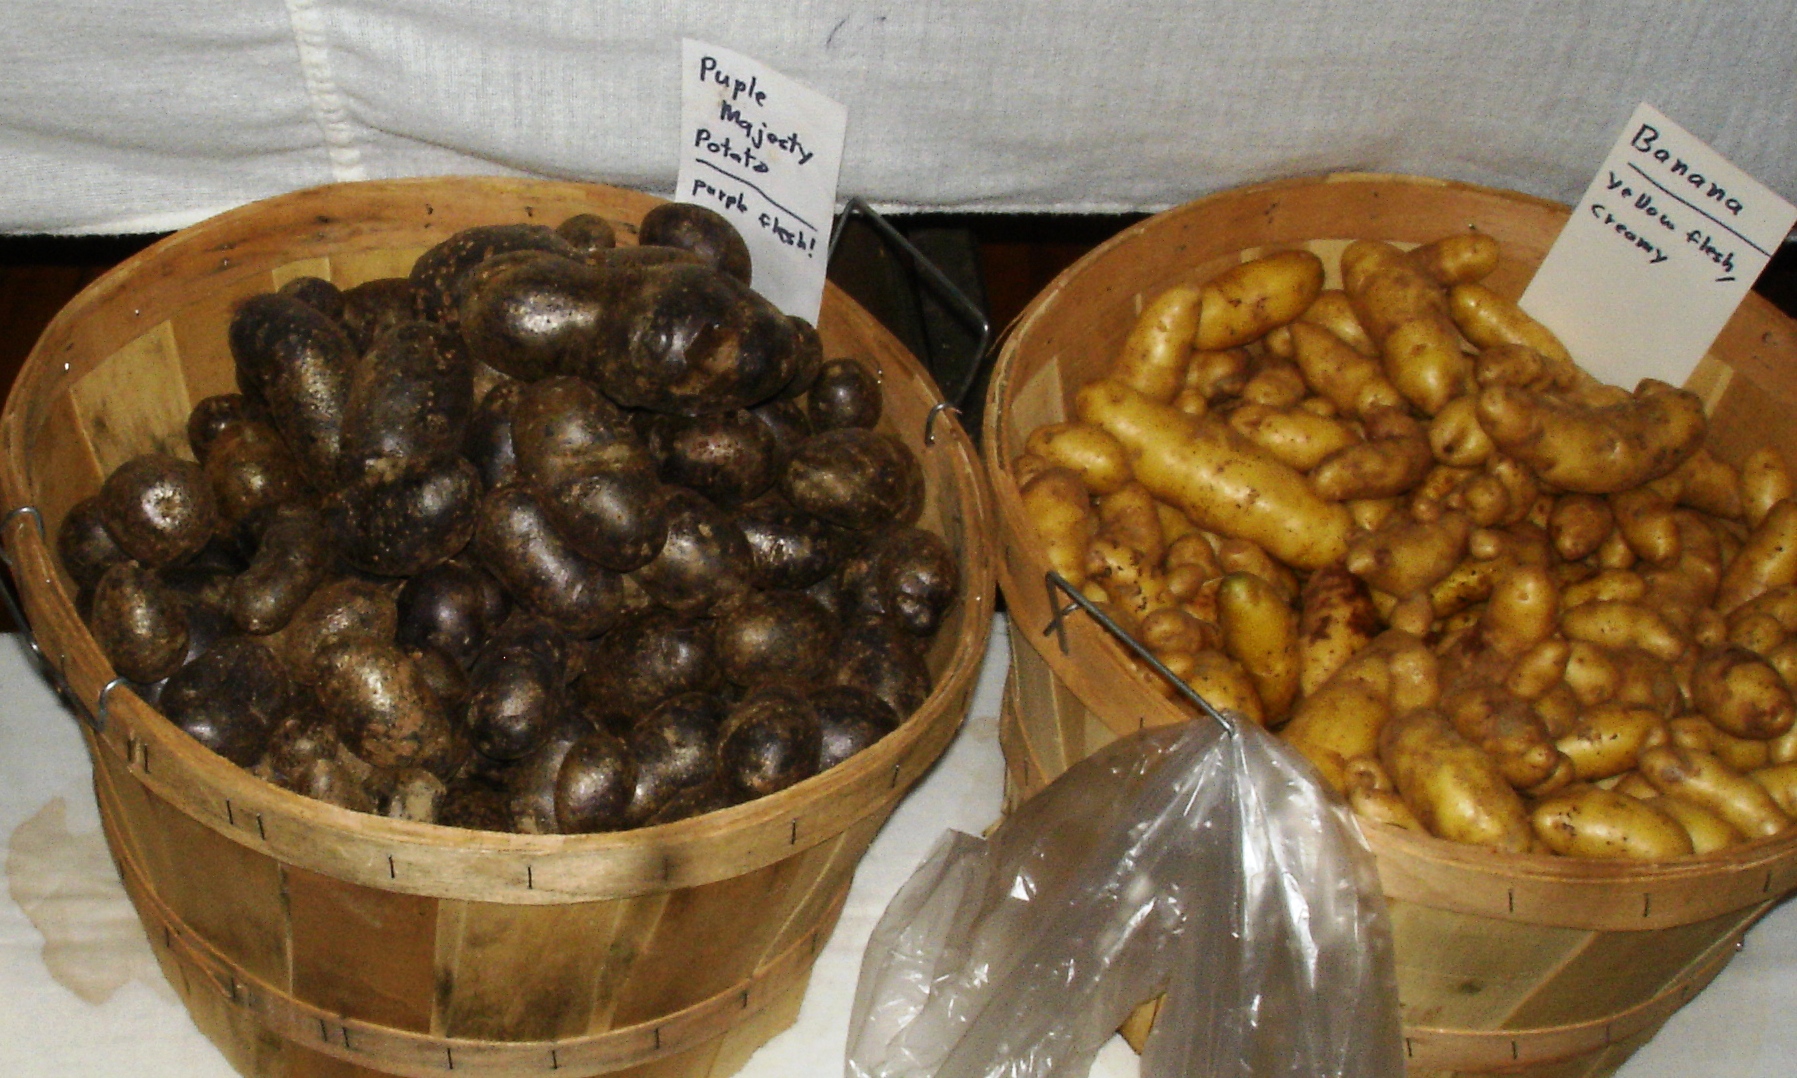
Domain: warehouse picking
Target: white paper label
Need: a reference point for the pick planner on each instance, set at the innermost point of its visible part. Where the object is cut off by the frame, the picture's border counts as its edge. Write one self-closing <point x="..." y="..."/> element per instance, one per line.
<point x="1657" y="255"/>
<point x="764" y="151"/>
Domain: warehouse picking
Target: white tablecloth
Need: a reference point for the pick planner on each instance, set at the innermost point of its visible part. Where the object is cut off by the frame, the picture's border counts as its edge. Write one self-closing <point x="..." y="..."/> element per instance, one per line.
<point x="143" y="116"/>
<point x="80" y="993"/>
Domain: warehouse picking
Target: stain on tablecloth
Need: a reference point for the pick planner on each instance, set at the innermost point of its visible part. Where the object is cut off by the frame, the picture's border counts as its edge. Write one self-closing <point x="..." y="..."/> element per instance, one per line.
<point x="66" y="883"/>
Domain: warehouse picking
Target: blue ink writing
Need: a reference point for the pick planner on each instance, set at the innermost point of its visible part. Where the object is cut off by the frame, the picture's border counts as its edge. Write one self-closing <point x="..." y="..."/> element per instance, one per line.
<point x="1605" y="217"/>
<point x="797" y="238"/>
<point x="709" y="71"/>
<point x="759" y="135"/>
<point x="729" y="200"/>
<point x="1706" y="245"/>
<point x="1646" y="140"/>
<point x="741" y="155"/>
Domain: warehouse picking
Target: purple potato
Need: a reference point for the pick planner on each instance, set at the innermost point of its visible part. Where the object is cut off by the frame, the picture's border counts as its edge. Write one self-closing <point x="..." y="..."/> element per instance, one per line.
<point x="139" y="623"/>
<point x="703" y="231"/>
<point x="515" y="540"/>
<point x="859" y="479"/>
<point x="845" y="394"/>
<point x="159" y="509"/>
<point x="296" y="363"/>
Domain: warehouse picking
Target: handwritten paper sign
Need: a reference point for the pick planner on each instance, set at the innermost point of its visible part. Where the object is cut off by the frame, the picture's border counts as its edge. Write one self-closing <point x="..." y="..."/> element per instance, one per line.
<point x="764" y="151"/>
<point x="1657" y="255"/>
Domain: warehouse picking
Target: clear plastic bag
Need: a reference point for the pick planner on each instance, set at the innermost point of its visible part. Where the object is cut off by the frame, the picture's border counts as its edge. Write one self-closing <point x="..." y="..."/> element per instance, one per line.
<point x="1208" y="866"/>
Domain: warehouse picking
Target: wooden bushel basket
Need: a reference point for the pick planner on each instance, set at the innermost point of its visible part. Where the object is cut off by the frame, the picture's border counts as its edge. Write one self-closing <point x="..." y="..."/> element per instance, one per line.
<point x="1546" y="965"/>
<point x="309" y="940"/>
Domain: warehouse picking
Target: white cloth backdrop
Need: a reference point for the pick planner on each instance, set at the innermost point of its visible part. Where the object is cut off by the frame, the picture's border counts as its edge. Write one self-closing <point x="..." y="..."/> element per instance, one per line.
<point x="139" y="116"/>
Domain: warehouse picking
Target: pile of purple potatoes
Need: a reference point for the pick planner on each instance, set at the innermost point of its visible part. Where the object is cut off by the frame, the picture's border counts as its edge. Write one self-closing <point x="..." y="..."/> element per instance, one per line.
<point x="548" y="536"/>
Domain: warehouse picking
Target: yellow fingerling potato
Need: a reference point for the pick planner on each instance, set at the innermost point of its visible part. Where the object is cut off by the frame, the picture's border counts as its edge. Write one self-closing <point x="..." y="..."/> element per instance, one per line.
<point x="1333" y="311"/>
<point x="1173" y="629"/>
<point x="1060" y="510"/>
<point x="1275" y="383"/>
<point x="1767" y="560"/>
<point x="1623" y="625"/>
<point x="1758" y="633"/>
<point x="1465" y="585"/>
<point x="1455" y="434"/>
<point x="1415" y="672"/>
<point x="1780" y="781"/>
<point x="1298" y="437"/>
<point x="1632" y="783"/>
<point x="1488" y="319"/>
<point x="1646" y="681"/>
<point x="1615" y="553"/>
<point x="1607" y="739"/>
<point x="1245" y="301"/>
<point x="1347" y="377"/>
<point x="1709" y="832"/>
<point x="1385" y="289"/>
<point x="1706" y="780"/>
<point x="1424" y="361"/>
<point x="1523" y="610"/>
<point x="1558" y="709"/>
<point x="1213" y="373"/>
<point x="1129" y="516"/>
<point x="1408" y="554"/>
<point x="1090" y="453"/>
<point x="1507" y="729"/>
<point x="1699" y="734"/>
<point x="1648" y="524"/>
<point x="1154" y="356"/>
<point x="1764" y="482"/>
<point x="1452" y="786"/>
<point x="1260" y="631"/>
<point x="1372" y="471"/>
<point x="1174" y="524"/>
<point x="1407" y="314"/>
<point x="1373" y="796"/>
<point x="1741" y="693"/>
<point x="1779" y="604"/>
<point x="1587" y="821"/>
<point x="1538" y="669"/>
<point x="1219" y="479"/>
<point x="1461" y="258"/>
<point x="1590" y="673"/>
<point x="1608" y="585"/>
<point x="1591" y="449"/>
<point x="1579" y="525"/>
<point x="1512" y="365"/>
<point x="1335" y="620"/>
<point x="1223" y="684"/>
<point x="1242" y="556"/>
<point x="1337" y="723"/>
<point x="1703" y="482"/>
<point x="1195" y="550"/>
<point x="1278" y="342"/>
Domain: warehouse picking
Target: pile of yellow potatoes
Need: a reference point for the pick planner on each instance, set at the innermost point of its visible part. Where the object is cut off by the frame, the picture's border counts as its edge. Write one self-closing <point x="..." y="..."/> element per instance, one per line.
<point x="1487" y="596"/>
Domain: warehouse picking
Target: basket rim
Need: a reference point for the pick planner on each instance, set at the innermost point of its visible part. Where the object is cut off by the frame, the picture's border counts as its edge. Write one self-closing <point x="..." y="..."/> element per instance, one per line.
<point x="904" y="754"/>
<point x="1389" y="842"/>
